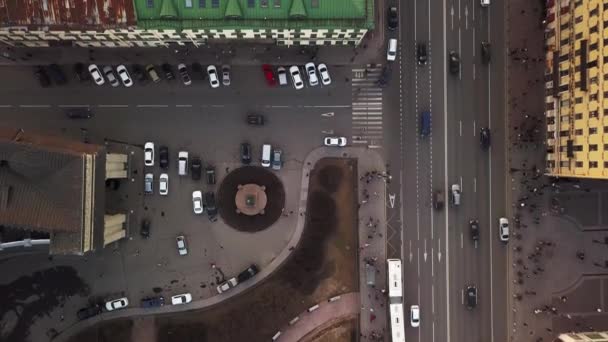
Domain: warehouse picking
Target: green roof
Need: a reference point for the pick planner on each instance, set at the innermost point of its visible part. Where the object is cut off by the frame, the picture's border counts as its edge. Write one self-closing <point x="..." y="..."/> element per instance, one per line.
<point x="285" y="14"/>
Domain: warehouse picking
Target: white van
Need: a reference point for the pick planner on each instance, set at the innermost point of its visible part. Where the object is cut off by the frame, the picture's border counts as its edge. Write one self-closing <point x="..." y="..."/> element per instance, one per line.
<point x="266" y="152"/>
<point x="391" y="53"/>
<point x="182" y="163"/>
<point x="485" y="3"/>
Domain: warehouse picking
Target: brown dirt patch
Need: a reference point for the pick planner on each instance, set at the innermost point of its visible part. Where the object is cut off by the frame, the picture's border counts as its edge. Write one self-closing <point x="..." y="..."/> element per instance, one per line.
<point x="111" y="331"/>
<point x="341" y="330"/>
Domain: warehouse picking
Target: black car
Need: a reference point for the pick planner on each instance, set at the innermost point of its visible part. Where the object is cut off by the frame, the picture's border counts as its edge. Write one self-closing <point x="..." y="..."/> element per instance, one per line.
<point x="81" y="72"/>
<point x="138" y="73"/>
<point x="486" y="56"/>
<point x="196" y="166"/>
<point x="79" y="113"/>
<point x="392" y="18"/>
<point x="210" y="173"/>
<point x="248" y="273"/>
<point x="88" y="312"/>
<point x="57" y="74"/>
<point x="454" y="62"/>
<point x="152" y="302"/>
<point x="484" y="137"/>
<point x="163" y="157"/>
<point x="255" y="119"/>
<point x="145" y="228"/>
<point x="245" y="153"/>
<point x="168" y="70"/>
<point x="198" y="71"/>
<point x="421" y="53"/>
<point x="474" y="226"/>
<point x="42" y="77"/>
<point x="471" y="299"/>
<point x="211" y="206"/>
<point x="385" y="77"/>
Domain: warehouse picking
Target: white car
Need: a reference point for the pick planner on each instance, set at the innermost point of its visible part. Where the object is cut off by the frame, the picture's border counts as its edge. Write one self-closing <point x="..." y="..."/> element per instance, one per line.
<point x="197" y="202"/>
<point x="183" y="72"/>
<point x="213" y="78"/>
<point x="335" y="141"/>
<point x="324" y="73"/>
<point x="96" y="74"/>
<point x="181" y="245"/>
<point x="149" y="154"/>
<point x="296" y="78"/>
<point x="227" y="285"/>
<point x="117" y="304"/>
<point x="311" y="71"/>
<point x="391" y="52"/>
<point x="109" y="73"/>
<point x="503" y="229"/>
<point x="163" y="186"/>
<point x="226" y="75"/>
<point x="183" y="298"/>
<point x="123" y="73"/>
<point x="415" y="316"/>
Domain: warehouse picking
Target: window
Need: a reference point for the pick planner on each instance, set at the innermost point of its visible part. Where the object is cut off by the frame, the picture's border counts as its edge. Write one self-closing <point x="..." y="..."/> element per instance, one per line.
<point x="605" y="164"/>
<point x="593" y="114"/>
<point x="150" y="3"/>
<point x="579" y="36"/>
<point x="215" y="3"/>
<point x="578" y="100"/>
<point x="605" y="147"/>
<point x="576" y="132"/>
<point x="594" y="45"/>
<point x="202" y="3"/>
<point x="188" y="3"/>
<point x="605" y="129"/>
<point x="592" y="147"/>
<point x="277" y="3"/>
<point x="264" y="3"/>
<point x="250" y="3"/>
<point x="593" y="164"/>
<point x="592" y="130"/>
<point x="579" y="164"/>
<point x="563" y="26"/>
<point x="578" y="116"/>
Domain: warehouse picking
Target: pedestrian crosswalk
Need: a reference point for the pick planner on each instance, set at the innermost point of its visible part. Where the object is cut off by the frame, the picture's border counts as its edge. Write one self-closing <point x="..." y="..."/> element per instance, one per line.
<point x="367" y="106"/>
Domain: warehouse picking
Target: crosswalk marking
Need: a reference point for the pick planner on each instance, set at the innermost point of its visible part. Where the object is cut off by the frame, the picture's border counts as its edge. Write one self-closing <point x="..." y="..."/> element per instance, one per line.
<point x="367" y="106"/>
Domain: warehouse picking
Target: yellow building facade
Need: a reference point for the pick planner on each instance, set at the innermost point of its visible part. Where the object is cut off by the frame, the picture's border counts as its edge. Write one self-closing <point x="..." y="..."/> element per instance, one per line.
<point x="576" y="97"/>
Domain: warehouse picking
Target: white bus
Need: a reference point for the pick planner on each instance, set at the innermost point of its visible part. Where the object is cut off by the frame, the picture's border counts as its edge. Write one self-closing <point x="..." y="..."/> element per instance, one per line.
<point x="397" y="323"/>
<point x="395" y="288"/>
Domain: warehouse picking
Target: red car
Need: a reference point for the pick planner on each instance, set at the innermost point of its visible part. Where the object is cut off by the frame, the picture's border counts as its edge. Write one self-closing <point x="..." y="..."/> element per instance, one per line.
<point x="269" y="75"/>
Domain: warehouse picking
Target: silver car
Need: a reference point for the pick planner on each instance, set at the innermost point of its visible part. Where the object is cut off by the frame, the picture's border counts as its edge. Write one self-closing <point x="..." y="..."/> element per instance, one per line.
<point x="226" y="75"/>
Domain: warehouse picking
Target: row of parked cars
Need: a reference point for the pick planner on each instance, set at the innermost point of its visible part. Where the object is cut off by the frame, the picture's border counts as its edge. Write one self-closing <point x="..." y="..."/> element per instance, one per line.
<point x="121" y="303"/>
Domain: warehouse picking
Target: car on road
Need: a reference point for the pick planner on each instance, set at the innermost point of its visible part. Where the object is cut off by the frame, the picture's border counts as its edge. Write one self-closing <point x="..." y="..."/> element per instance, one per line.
<point x="248" y="273"/>
<point x="438" y="199"/>
<point x="255" y="119"/>
<point x="117" y="304"/>
<point x="484" y="137"/>
<point x="81" y="72"/>
<point x="123" y="73"/>
<point x="139" y="73"/>
<point x="311" y="72"/>
<point x="415" y="316"/>
<point x="88" y="312"/>
<point x="149" y="154"/>
<point x="144" y="230"/>
<point x="425" y="123"/>
<point x="163" y="157"/>
<point x="183" y="298"/>
<point x="391" y="51"/>
<point x="152" y="302"/>
<point x="183" y="72"/>
<point x="269" y="75"/>
<point x="226" y="75"/>
<point x="245" y="153"/>
<point x="471" y="295"/>
<point x="213" y="78"/>
<point x="227" y="285"/>
<point x="96" y="74"/>
<point x="149" y="184"/>
<point x="109" y="73"/>
<point x="163" y="184"/>
<point x="79" y="113"/>
<point x="296" y="77"/>
<point x="182" y="163"/>
<point x="324" y="74"/>
<point x="454" y="62"/>
<point x="277" y="163"/>
<point x="42" y="76"/>
<point x="486" y="55"/>
<point x="152" y="73"/>
<point x="211" y="206"/>
<point x="282" y="75"/>
<point x="335" y="141"/>
<point x="503" y="229"/>
<point x="392" y="18"/>
<point x="456" y="194"/>
<point x="197" y="202"/>
<point x="196" y="167"/>
<point x="182" y="248"/>
<point x="474" y="228"/>
<point x="210" y="173"/>
<point x="421" y="53"/>
<point x="168" y="70"/>
<point x="57" y="74"/>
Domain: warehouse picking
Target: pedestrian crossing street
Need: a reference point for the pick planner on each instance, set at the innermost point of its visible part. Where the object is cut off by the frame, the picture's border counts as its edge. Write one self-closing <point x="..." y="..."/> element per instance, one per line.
<point x="367" y="106"/>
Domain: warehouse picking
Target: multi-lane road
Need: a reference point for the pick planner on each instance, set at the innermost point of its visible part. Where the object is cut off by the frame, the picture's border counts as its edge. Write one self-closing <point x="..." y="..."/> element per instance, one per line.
<point x="440" y="259"/>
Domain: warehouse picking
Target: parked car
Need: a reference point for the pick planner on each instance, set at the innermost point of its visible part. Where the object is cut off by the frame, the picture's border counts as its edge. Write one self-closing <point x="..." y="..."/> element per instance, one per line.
<point x="139" y="73"/>
<point x="277" y="163"/>
<point x="81" y="73"/>
<point x="484" y="137"/>
<point x="438" y="199"/>
<point x="197" y="202"/>
<point x="182" y="163"/>
<point x="163" y="184"/>
<point x="421" y="53"/>
<point x="163" y="157"/>
<point x="196" y="167"/>
<point x="392" y="16"/>
<point x="149" y="154"/>
<point x="198" y="72"/>
<point x="486" y="55"/>
<point x="415" y="316"/>
<point x="152" y="302"/>
<point x="42" y="76"/>
<point x="210" y="173"/>
<point x="474" y="227"/>
<point x="123" y="73"/>
<point x="471" y="295"/>
<point x="57" y="74"/>
<point x="455" y="194"/>
<point x="96" y="74"/>
<point x="324" y="74"/>
<point x="213" y="78"/>
<point x="88" y="312"/>
<point x="311" y="72"/>
<point x="144" y="231"/>
<point x="152" y="73"/>
<point x="182" y="249"/>
<point x="211" y="206"/>
<point x="269" y="75"/>
<point x="296" y="77"/>
<point x="183" y="72"/>
<point x="227" y="285"/>
<point x="226" y="75"/>
<point x="503" y="229"/>
<point x="282" y="75"/>
<point x="454" y="62"/>
<point x="183" y="298"/>
<point x="79" y="113"/>
<point x="168" y="71"/>
<point x="149" y="184"/>
<point x="248" y="273"/>
<point x="255" y="119"/>
<point x="109" y="73"/>
<point x="245" y="153"/>
<point x="335" y="141"/>
<point x="117" y="304"/>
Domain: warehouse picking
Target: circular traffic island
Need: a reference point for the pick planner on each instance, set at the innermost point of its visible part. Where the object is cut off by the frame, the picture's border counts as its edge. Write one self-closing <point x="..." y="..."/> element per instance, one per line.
<point x="251" y="199"/>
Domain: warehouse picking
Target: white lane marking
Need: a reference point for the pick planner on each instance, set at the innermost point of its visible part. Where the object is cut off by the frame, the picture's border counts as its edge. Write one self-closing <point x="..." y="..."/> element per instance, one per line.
<point x="461" y="188"/>
<point x="451" y="15"/>
<point x="433" y="299"/>
<point x="462" y="296"/>
<point x="35" y="106"/>
<point x="490" y="199"/>
<point x="418" y="260"/>
<point x="459" y="10"/>
<point x="152" y="106"/>
<point x="474" y="69"/>
<point x="217" y="106"/>
<point x="474" y="45"/>
<point x="459" y="53"/>
<point x="474" y="127"/>
<point x="445" y="167"/>
<point x="73" y="106"/>
<point x="425" y="253"/>
<point x="415" y="25"/>
<point x="466" y="17"/>
<point x="183" y="105"/>
<point x="474" y="184"/>
<point x="6" y="106"/>
<point x="113" y="106"/>
<point x="460" y="127"/>
<point x="432" y="263"/>
<point x="411" y="253"/>
<point x="439" y="250"/>
<point x="461" y="240"/>
<point x="328" y="106"/>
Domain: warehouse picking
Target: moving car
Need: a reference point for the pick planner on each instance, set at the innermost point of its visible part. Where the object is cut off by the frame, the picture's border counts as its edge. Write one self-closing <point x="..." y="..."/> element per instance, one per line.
<point x="269" y="75"/>
<point x="282" y="75"/>
<point x="149" y="184"/>
<point x="183" y="72"/>
<point x="227" y="285"/>
<point x="454" y="62"/>
<point x="145" y="228"/>
<point x="196" y="167"/>
<point x="324" y="73"/>
<point x="471" y="295"/>
<point x="213" y="78"/>
<point x="57" y="74"/>
<point x="123" y="73"/>
<point x="255" y="119"/>
<point x="226" y="75"/>
<point x="181" y="245"/>
<point x="168" y="70"/>
<point x="425" y="123"/>
<point x="456" y="194"/>
<point x="276" y="159"/>
<point x="415" y="316"/>
<point x="248" y="273"/>
<point x="296" y="77"/>
<point x="486" y="56"/>
<point x="79" y="113"/>
<point x="392" y="18"/>
<point x="311" y="72"/>
<point x="152" y="302"/>
<point x="421" y="53"/>
<point x="163" y="184"/>
<point x="96" y="74"/>
<point x="334" y="141"/>
<point x="197" y="202"/>
<point x="245" y="153"/>
<point x="152" y="73"/>
<point x="211" y="206"/>
<point x="117" y="304"/>
<point x="88" y="312"/>
<point x="391" y="52"/>
<point x="484" y="137"/>
<point x="109" y="73"/>
<point x="43" y="77"/>
<point x="210" y="173"/>
<point x="163" y="157"/>
<point x="474" y="226"/>
<point x="149" y="154"/>
<point x="183" y="298"/>
<point x="503" y="229"/>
